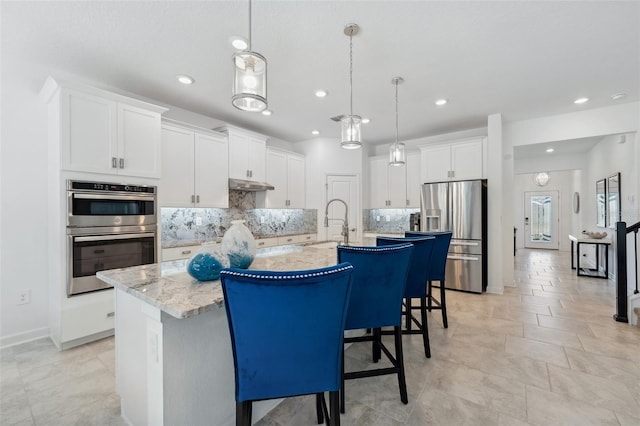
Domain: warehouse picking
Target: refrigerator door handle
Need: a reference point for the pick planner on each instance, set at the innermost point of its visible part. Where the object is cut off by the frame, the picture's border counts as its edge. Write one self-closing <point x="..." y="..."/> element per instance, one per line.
<point x="462" y="257"/>
<point x="464" y="243"/>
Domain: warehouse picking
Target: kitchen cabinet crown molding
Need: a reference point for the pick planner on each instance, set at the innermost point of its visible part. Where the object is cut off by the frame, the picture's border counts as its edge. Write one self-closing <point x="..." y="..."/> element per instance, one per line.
<point x="192" y="127"/>
<point x="228" y="128"/>
<point x="449" y="142"/>
<point x="52" y="86"/>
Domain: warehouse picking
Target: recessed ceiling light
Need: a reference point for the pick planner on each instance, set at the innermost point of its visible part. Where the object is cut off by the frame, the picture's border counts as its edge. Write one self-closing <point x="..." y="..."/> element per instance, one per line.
<point x="238" y="42"/>
<point x="315" y="132"/>
<point x="549" y="149"/>
<point x="441" y="102"/>
<point x="365" y="121"/>
<point x="321" y="93"/>
<point x="267" y="112"/>
<point x="581" y="100"/>
<point x="618" y="96"/>
<point x="185" y="79"/>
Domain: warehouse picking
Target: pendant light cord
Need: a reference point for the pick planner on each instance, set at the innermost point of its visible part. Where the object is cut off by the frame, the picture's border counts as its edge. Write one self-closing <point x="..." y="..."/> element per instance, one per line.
<point x="351" y="74"/>
<point x="397" y="113"/>
<point x="249" y="47"/>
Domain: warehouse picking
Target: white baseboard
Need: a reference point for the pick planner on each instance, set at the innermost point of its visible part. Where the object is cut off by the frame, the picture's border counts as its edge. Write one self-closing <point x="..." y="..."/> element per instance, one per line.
<point x="494" y="289"/>
<point x="24" y="337"/>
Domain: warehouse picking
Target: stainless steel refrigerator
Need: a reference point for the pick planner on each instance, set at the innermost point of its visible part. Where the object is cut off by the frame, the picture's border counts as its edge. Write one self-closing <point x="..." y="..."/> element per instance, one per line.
<point x="460" y="207"/>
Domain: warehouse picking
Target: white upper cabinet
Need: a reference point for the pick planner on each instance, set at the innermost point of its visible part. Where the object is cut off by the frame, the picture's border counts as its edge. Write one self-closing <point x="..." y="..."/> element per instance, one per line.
<point x="460" y="160"/>
<point x="414" y="181"/>
<point x="194" y="168"/>
<point x="102" y="132"/>
<point x="286" y="172"/>
<point x="247" y="154"/>
<point x="388" y="184"/>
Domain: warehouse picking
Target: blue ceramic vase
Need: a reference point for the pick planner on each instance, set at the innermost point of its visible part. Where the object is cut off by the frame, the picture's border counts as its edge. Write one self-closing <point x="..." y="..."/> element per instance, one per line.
<point x="207" y="263"/>
<point x="239" y="245"/>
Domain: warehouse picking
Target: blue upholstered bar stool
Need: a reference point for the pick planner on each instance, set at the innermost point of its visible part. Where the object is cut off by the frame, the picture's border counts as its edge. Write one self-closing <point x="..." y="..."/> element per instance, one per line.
<point x="416" y="285"/>
<point x="379" y="279"/>
<point x="286" y="334"/>
<point x="437" y="271"/>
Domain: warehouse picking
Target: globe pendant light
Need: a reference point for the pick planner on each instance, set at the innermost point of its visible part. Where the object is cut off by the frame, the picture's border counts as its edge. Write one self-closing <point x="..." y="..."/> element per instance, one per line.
<point x="541" y="179"/>
<point x="396" y="150"/>
<point x="249" y="78"/>
<point x="351" y="133"/>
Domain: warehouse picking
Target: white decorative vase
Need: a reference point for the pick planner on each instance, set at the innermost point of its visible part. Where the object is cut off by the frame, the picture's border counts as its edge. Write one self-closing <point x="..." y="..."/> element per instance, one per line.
<point x="239" y="245"/>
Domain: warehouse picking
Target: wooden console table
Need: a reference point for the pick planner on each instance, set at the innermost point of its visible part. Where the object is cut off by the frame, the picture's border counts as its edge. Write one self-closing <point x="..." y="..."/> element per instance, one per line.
<point x="591" y="272"/>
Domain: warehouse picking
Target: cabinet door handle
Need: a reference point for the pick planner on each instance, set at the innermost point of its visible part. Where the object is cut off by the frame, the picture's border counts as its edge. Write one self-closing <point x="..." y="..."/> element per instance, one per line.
<point x="453" y="173"/>
<point x="408" y="203"/>
<point x="122" y="163"/>
<point x="197" y="198"/>
<point x="111" y="314"/>
<point x="250" y="173"/>
<point x="193" y="198"/>
<point x="186" y="251"/>
<point x="114" y="163"/>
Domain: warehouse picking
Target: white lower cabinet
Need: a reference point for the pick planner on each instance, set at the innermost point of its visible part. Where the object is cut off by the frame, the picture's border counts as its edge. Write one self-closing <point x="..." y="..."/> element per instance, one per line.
<point x="194" y="168"/>
<point x="177" y="253"/>
<point x="266" y="242"/>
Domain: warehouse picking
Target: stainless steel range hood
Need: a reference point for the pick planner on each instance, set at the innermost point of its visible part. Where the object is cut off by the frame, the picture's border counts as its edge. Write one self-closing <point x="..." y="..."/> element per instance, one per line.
<point x="248" y="185"/>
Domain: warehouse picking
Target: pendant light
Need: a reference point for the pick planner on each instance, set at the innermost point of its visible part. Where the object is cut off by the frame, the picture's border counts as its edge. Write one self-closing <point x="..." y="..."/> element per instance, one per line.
<point x="396" y="150"/>
<point x="541" y="179"/>
<point x="351" y="132"/>
<point x="249" y="78"/>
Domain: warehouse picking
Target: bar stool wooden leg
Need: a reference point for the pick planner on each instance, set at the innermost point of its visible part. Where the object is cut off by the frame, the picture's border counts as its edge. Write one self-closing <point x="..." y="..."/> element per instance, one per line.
<point x="425" y="327"/>
<point x="400" y="360"/>
<point x="334" y="403"/>
<point x="443" y="305"/>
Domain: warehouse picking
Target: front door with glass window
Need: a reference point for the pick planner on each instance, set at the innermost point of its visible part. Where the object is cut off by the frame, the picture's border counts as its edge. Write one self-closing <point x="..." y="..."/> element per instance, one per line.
<point x="541" y="221"/>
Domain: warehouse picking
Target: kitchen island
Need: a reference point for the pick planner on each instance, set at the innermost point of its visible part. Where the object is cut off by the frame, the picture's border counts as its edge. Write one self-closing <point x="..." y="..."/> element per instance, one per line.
<point x="174" y="364"/>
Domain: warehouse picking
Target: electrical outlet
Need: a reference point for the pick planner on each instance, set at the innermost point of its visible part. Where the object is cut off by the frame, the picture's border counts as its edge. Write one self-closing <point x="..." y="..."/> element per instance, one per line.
<point x="24" y="296"/>
<point x="387" y="218"/>
<point x="198" y="221"/>
<point x="261" y="219"/>
<point x="377" y="218"/>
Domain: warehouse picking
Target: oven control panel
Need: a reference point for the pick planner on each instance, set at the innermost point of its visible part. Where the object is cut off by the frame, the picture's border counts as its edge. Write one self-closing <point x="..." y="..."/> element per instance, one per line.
<point x="109" y="187"/>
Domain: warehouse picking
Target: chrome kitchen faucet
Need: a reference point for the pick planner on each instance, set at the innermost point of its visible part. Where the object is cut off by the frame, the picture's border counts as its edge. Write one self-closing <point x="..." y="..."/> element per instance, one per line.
<point x="345" y="221"/>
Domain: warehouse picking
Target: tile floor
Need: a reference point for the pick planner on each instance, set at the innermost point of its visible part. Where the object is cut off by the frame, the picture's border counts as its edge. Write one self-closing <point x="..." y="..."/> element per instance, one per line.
<point x="547" y="352"/>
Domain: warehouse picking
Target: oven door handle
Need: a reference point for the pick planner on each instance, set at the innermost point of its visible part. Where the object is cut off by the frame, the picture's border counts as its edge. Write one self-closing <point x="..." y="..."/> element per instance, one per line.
<point x="113" y="237"/>
<point x="114" y="197"/>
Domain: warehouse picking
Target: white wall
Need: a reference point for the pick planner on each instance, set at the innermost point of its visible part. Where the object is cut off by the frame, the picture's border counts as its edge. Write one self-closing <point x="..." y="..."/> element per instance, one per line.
<point x="604" y="159"/>
<point x="24" y="205"/>
<point x="623" y="118"/>
<point x="325" y="156"/>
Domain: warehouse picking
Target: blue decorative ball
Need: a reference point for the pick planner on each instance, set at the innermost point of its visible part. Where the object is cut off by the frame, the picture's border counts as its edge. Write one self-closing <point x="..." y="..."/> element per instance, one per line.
<point x="205" y="266"/>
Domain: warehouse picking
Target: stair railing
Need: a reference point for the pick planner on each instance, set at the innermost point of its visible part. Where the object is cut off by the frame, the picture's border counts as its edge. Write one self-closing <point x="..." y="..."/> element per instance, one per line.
<point x="621" y="270"/>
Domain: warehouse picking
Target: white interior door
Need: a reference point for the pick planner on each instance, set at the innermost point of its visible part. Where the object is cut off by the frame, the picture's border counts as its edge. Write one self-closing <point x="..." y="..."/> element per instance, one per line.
<point x="346" y="188"/>
<point x="541" y="220"/>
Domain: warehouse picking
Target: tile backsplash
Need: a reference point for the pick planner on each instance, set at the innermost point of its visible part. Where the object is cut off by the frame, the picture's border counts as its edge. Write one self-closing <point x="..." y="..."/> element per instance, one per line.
<point x="375" y="220"/>
<point x="181" y="226"/>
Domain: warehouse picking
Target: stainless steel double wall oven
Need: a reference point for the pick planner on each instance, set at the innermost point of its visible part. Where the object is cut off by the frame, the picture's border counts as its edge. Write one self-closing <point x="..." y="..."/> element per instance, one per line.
<point x="109" y="226"/>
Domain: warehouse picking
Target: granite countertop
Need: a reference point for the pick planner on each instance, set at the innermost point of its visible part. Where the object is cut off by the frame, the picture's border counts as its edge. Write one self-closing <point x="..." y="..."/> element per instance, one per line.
<point x="168" y="287"/>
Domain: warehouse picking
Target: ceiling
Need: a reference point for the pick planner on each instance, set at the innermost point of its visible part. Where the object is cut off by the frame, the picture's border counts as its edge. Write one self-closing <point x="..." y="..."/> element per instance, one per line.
<point x="560" y="148"/>
<point x="521" y="59"/>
